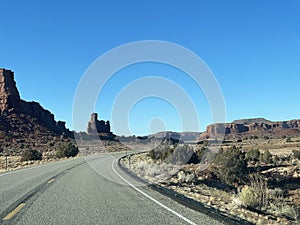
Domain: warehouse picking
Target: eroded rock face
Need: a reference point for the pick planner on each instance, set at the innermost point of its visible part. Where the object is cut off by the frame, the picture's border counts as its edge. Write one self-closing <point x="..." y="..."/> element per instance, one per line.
<point x="19" y="116"/>
<point x="9" y="94"/>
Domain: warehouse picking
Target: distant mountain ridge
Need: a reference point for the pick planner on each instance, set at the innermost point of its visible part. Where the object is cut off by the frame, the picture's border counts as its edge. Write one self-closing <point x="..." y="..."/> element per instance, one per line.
<point x="241" y="127"/>
<point x="28" y="125"/>
<point x="253" y="126"/>
<point x="184" y="136"/>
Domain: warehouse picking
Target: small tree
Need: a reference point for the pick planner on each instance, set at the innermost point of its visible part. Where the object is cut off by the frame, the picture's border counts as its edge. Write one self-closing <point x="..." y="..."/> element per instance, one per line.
<point x="67" y="150"/>
<point x="183" y="155"/>
<point x="266" y="157"/>
<point x="276" y="159"/>
<point x="253" y="155"/>
<point x="230" y="165"/>
<point x="200" y="153"/>
<point x="296" y="154"/>
<point x="151" y="154"/>
<point x="31" y="154"/>
<point x="178" y="155"/>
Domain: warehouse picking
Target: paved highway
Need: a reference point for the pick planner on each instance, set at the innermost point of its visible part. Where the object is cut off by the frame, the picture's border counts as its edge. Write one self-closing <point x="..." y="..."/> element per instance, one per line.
<point x="92" y="191"/>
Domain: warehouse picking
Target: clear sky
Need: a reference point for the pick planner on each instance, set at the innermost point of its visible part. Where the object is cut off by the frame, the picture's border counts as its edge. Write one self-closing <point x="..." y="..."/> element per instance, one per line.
<point x="252" y="47"/>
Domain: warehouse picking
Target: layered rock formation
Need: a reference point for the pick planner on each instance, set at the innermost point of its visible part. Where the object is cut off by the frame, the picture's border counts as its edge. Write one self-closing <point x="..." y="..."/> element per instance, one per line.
<point x="10" y="102"/>
<point x="25" y="120"/>
<point x="257" y="126"/>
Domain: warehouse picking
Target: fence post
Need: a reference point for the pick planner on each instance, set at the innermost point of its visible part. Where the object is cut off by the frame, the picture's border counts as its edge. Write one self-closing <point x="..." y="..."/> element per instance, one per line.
<point x="6" y="166"/>
<point x="129" y="163"/>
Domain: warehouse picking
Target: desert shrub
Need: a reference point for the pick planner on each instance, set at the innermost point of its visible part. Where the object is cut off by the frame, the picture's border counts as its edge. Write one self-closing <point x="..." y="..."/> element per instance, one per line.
<point x="288" y="139"/>
<point x="161" y="152"/>
<point x="266" y="137"/>
<point x="177" y="155"/>
<point x="230" y="165"/>
<point x="266" y="157"/>
<point x="276" y="159"/>
<point x="275" y="193"/>
<point x="67" y="150"/>
<point x="151" y="154"/>
<point x="201" y="152"/>
<point x="183" y="155"/>
<point x="249" y="198"/>
<point x="296" y="154"/>
<point x="260" y="187"/>
<point x="280" y="208"/>
<point x="289" y="211"/>
<point x="253" y="155"/>
<point x="206" y="155"/>
<point x="255" y="194"/>
<point x="31" y="154"/>
<point x="186" y="177"/>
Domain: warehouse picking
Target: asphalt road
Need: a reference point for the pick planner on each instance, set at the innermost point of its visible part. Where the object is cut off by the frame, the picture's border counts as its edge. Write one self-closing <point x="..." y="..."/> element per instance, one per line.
<point x="86" y="191"/>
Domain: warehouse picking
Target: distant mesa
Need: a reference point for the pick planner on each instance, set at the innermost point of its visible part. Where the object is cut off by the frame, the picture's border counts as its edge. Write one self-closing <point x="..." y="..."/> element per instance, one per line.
<point x="256" y="126"/>
<point x="252" y="120"/>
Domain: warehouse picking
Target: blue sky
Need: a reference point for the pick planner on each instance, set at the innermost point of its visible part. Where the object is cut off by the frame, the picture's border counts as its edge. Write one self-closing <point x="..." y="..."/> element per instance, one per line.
<point x="252" y="47"/>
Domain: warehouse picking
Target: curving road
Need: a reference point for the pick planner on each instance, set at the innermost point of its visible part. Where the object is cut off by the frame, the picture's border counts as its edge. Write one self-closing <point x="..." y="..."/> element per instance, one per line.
<point x="86" y="191"/>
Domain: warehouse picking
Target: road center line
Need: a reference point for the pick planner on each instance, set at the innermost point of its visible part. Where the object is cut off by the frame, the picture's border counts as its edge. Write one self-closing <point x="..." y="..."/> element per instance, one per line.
<point x="50" y="181"/>
<point x="14" y="212"/>
<point x="152" y="199"/>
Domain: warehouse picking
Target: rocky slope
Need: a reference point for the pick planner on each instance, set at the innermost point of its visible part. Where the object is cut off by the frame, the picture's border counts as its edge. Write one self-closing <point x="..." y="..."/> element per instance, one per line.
<point x="26" y="124"/>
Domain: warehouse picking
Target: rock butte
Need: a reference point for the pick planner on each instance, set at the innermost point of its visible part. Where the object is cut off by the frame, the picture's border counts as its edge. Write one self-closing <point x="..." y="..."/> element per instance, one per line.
<point x="19" y="118"/>
<point x="95" y="126"/>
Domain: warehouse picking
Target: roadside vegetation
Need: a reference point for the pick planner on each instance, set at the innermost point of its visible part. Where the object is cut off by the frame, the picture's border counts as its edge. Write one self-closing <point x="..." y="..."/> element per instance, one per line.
<point x="31" y="154"/>
<point x="250" y="180"/>
<point x="67" y="150"/>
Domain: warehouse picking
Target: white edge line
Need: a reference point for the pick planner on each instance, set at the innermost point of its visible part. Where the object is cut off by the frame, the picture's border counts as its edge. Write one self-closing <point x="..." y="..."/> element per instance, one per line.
<point x="33" y="167"/>
<point x="152" y="199"/>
